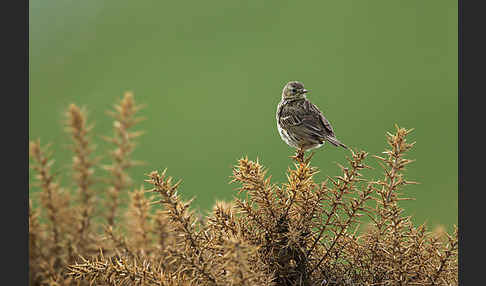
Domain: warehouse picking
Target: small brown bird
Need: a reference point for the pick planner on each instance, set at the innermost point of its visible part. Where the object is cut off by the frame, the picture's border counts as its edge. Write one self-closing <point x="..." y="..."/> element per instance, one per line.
<point x="300" y="123"/>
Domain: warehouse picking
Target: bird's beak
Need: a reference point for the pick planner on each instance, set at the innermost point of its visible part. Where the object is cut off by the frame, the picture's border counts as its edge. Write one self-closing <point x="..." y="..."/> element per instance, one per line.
<point x="304" y="91"/>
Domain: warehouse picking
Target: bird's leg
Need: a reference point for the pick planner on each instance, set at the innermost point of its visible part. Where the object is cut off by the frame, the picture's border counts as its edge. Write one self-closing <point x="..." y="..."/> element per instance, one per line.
<point x="300" y="155"/>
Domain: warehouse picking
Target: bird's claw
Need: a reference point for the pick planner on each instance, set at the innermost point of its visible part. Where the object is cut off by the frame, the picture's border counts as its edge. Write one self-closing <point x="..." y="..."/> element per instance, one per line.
<point x="299" y="156"/>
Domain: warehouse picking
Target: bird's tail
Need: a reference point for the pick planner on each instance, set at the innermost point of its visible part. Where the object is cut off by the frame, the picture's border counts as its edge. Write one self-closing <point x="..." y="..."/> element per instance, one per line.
<point x="335" y="142"/>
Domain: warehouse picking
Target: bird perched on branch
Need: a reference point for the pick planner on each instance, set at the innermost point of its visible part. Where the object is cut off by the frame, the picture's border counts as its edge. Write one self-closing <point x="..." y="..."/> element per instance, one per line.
<point x="300" y="123"/>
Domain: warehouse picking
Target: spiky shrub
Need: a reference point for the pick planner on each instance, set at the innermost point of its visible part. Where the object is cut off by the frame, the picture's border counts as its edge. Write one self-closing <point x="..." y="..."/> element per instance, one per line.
<point x="300" y="232"/>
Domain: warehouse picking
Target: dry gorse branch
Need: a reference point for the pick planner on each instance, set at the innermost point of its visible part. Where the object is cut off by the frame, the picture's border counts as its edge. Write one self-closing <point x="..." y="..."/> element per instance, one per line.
<point x="83" y="170"/>
<point x="139" y="221"/>
<point x="125" y="119"/>
<point x="48" y="243"/>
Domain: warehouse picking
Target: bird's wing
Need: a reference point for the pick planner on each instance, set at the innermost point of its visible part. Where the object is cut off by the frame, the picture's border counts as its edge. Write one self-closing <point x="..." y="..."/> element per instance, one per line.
<point x="305" y="117"/>
<point x="327" y="126"/>
<point x="290" y="116"/>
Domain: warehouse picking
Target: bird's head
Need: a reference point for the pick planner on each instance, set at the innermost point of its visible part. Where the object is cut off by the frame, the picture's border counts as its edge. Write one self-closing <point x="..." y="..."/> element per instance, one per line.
<point x="294" y="90"/>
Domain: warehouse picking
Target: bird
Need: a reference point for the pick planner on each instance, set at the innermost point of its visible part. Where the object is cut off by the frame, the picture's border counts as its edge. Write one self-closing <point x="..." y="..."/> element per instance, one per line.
<point x="300" y="123"/>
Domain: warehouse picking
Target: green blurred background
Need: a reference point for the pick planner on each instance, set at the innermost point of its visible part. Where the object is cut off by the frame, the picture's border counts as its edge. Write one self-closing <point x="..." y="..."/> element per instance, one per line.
<point x="211" y="74"/>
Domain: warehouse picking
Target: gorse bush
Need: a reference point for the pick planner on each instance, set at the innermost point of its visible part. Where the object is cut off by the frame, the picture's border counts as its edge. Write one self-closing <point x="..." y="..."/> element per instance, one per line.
<point x="300" y="232"/>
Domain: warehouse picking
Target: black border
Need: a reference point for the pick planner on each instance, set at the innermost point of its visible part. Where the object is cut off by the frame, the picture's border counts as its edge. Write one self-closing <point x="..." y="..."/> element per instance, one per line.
<point x="471" y="67"/>
<point x="14" y="21"/>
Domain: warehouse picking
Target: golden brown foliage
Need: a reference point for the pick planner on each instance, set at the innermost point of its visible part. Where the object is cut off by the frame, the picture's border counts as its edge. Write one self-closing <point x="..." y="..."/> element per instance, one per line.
<point x="83" y="170"/>
<point x="301" y="232"/>
<point x="125" y="119"/>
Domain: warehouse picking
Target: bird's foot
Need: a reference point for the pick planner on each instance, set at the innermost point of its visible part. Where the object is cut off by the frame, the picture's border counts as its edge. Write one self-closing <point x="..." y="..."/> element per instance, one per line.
<point x="299" y="156"/>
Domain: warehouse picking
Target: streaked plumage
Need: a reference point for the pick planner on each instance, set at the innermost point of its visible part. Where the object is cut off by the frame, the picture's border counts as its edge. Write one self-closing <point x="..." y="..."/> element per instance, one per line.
<point x="300" y="123"/>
